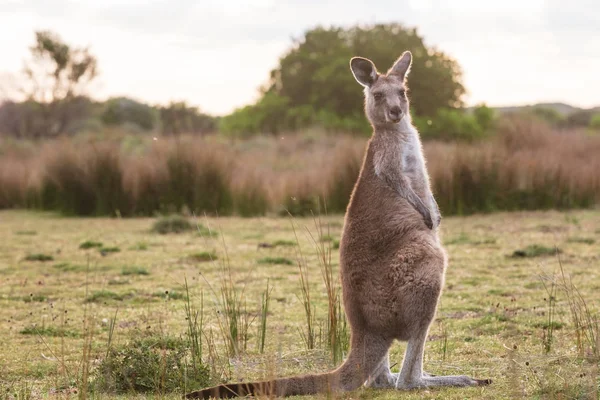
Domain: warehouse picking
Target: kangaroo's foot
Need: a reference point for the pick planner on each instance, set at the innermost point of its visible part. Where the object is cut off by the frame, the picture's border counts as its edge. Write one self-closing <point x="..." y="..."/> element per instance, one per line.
<point x="426" y="381"/>
<point x="388" y="379"/>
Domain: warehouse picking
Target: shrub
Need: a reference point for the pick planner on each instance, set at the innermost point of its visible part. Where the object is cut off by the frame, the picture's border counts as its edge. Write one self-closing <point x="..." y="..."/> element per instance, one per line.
<point x="535" y="250"/>
<point x="199" y="180"/>
<point x="455" y="125"/>
<point x="250" y="199"/>
<point x="134" y="271"/>
<point x="595" y="122"/>
<point x="171" y="224"/>
<point x="107" y="250"/>
<point x="89" y="244"/>
<point x="103" y="295"/>
<point x="203" y="256"/>
<point x="276" y="260"/>
<point x="121" y="110"/>
<point x="151" y="364"/>
<point x="48" y="331"/>
<point x="39" y="257"/>
<point x="346" y="167"/>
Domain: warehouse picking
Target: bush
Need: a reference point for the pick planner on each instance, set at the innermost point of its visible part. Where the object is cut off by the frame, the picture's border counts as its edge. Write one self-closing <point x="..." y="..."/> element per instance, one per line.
<point x="178" y="118"/>
<point x="39" y="257"/>
<point x="250" y="199"/>
<point x="151" y="364"/>
<point x="121" y="110"/>
<point x="199" y="179"/>
<point x="346" y="167"/>
<point x="172" y="224"/>
<point x="595" y="122"/>
<point x="456" y="125"/>
<point x="89" y="244"/>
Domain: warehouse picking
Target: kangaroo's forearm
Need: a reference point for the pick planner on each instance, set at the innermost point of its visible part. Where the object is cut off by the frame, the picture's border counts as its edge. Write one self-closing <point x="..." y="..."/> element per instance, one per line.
<point x="400" y="185"/>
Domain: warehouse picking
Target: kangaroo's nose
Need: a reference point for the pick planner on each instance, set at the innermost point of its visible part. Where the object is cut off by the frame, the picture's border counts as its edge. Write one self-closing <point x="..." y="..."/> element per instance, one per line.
<point x="395" y="112"/>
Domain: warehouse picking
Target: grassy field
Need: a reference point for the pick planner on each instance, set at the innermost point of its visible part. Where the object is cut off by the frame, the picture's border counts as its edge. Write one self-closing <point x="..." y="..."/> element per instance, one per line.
<point x="503" y="315"/>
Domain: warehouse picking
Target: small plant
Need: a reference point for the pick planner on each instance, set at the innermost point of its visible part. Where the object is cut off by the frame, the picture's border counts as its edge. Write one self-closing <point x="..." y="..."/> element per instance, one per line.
<point x="89" y="244"/>
<point x="550" y="324"/>
<point x="586" y="323"/>
<point x="195" y="326"/>
<point x="150" y="364"/>
<point x="276" y="260"/>
<point x="535" y="250"/>
<point x="27" y="233"/>
<point x="203" y="256"/>
<point x="583" y="240"/>
<point x="337" y="339"/>
<point x="283" y="243"/>
<point x="35" y="298"/>
<point x="134" y="271"/>
<point x="326" y="238"/>
<point x="308" y="336"/>
<point x="264" y="312"/>
<point x="205" y="232"/>
<point x="172" y="224"/>
<point x="103" y="295"/>
<point x="107" y="250"/>
<point x="39" y="257"/>
<point x="50" y="331"/>
<point x="170" y="295"/>
<point x="140" y="246"/>
<point x="118" y="281"/>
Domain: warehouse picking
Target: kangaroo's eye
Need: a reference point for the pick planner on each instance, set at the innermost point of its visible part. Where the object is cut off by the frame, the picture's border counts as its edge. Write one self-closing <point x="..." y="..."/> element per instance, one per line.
<point x="378" y="96"/>
<point x="401" y="92"/>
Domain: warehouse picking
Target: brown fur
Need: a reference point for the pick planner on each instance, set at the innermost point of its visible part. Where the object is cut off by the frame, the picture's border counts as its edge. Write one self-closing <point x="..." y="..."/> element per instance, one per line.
<point x="391" y="262"/>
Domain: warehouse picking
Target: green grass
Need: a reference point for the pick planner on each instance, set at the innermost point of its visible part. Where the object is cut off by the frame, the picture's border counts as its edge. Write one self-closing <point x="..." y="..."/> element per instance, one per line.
<point x="35" y="298"/>
<point x="275" y="260"/>
<point x="134" y="271"/>
<point x="39" y="257"/>
<point x="491" y="320"/>
<point x="535" y="250"/>
<point x="90" y="244"/>
<point x="141" y="246"/>
<point x="283" y="243"/>
<point x="50" y="331"/>
<point x="203" y="256"/>
<point x="103" y="295"/>
<point x="108" y="250"/>
<point x="26" y="233"/>
<point x="171" y="224"/>
<point x="584" y="240"/>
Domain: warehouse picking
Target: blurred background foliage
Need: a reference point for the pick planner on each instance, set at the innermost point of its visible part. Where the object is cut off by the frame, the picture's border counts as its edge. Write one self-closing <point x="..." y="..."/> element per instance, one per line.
<point x="297" y="148"/>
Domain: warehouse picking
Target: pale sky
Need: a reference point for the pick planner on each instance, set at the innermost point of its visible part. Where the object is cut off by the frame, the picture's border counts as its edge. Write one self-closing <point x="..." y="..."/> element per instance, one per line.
<point x="216" y="53"/>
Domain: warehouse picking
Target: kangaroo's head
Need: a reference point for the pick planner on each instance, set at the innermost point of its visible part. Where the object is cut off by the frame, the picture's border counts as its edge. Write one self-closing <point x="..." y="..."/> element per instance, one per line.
<point x="385" y="94"/>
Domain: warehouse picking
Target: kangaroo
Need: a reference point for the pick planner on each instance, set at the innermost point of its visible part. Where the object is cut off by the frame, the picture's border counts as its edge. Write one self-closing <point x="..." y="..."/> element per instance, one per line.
<point x="392" y="264"/>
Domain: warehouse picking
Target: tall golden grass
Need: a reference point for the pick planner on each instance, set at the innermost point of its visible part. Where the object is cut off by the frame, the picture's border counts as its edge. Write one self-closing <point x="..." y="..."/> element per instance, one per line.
<point x="527" y="165"/>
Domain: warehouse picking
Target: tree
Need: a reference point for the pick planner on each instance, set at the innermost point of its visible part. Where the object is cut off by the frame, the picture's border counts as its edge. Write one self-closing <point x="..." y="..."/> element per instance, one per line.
<point x="595" y="122"/>
<point x="178" y="118"/>
<point x="314" y="80"/>
<point x="56" y="78"/>
<point x="121" y="110"/>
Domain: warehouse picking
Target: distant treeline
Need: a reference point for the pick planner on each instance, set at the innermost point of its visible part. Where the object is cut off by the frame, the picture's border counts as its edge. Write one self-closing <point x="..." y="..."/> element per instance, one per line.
<point x="34" y="120"/>
<point x="312" y="87"/>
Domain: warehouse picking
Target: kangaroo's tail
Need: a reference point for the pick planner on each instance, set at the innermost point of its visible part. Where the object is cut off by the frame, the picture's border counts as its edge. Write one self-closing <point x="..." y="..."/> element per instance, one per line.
<point x="297" y="385"/>
<point x="367" y="352"/>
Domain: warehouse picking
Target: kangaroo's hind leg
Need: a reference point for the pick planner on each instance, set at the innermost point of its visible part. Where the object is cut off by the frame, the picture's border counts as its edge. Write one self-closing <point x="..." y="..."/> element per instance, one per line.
<point x="383" y="377"/>
<point x="411" y="376"/>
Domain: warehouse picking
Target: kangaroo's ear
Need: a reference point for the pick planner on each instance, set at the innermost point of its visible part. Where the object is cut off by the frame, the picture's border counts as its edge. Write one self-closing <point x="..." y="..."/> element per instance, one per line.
<point x="401" y="67"/>
<point x="364" y="71"/>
